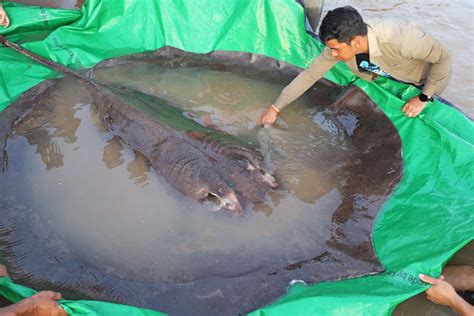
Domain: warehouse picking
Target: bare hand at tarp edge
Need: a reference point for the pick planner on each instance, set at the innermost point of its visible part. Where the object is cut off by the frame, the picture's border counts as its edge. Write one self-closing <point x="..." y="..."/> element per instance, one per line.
<point x="4" y="20"/>
<point x="41" y="304"/>
<point x="443" y="293"/>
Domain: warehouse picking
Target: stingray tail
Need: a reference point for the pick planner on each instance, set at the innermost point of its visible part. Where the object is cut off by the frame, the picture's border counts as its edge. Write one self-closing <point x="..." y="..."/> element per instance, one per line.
<point x="46" y="62"/>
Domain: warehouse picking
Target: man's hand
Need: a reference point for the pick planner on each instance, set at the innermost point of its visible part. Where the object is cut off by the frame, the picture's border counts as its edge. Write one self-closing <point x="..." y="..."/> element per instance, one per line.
<point x="3" y="271"/>
<point x="41" y="304"/>
<point x="413" y="107"/>
<point x="4" y="20"/>
<point x="269" y="116"/>
<point x="443" y="293"/>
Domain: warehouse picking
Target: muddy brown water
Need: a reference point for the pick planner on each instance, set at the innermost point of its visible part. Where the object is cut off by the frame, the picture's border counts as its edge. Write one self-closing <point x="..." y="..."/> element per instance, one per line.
<point x="451" y="21"/>
<point x="71" y="170"/>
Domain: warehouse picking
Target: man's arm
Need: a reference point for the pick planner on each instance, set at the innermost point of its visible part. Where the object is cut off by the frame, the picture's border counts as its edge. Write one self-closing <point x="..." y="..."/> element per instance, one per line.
<point x="306" y="79"/>
<point x="461" y="277"/>
<point x="300" y="84"/>
<point x="419" y="45"/>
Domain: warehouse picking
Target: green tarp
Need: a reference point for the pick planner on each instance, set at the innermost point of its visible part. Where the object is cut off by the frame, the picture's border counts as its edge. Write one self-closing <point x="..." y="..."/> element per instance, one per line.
<point x="428" y="218"/>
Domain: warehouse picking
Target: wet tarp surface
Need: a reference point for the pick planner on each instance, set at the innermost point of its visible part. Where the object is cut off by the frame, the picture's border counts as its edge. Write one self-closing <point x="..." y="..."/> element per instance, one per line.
<point x="428" y="218"/>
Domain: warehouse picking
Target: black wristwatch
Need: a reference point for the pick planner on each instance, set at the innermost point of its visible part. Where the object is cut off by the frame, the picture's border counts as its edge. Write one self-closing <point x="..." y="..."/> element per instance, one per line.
<point x="424" y="98"/>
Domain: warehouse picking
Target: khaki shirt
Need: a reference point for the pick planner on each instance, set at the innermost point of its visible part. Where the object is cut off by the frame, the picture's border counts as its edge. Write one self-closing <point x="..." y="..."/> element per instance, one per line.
<point x="402" y="50"/>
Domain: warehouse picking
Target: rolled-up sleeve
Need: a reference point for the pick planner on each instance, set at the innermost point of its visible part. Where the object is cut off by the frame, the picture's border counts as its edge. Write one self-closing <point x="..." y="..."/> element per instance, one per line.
<point x="322" y="64"/>
<point x="419" y="45"/>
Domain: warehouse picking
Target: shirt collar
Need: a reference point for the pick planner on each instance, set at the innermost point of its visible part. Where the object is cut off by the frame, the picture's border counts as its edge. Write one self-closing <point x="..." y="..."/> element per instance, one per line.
<point x="374" y="49"/>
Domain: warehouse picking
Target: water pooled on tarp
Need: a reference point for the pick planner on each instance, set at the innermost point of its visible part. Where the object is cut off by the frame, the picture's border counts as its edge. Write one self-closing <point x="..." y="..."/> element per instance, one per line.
<point x="93" y="191"/>
<point x="300" y="151"/>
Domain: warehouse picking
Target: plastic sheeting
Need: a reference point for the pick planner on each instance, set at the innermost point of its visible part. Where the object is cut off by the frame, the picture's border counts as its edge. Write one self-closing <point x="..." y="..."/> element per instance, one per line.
<point x="428" y="218"/>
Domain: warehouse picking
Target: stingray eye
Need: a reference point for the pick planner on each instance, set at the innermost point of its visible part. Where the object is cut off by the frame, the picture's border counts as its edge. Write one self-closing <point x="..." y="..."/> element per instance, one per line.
<point x="220" y="190"/>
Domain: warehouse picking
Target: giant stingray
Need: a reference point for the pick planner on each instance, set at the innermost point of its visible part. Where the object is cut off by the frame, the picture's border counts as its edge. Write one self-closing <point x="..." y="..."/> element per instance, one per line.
<point x="373" y="171"/>
<point x="198" y="162"/>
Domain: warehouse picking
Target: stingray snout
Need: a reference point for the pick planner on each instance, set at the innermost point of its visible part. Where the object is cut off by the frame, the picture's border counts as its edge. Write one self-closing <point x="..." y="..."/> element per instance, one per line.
<point x="229" y="200"/>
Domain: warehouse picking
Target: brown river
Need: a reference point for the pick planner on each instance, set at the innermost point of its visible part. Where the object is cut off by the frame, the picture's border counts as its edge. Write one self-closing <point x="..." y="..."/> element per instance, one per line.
<point x="451" y="22"/>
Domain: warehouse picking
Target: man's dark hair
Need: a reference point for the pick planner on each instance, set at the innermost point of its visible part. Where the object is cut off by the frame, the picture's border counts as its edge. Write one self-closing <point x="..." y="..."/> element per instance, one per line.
<point x="342" y="24"/>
